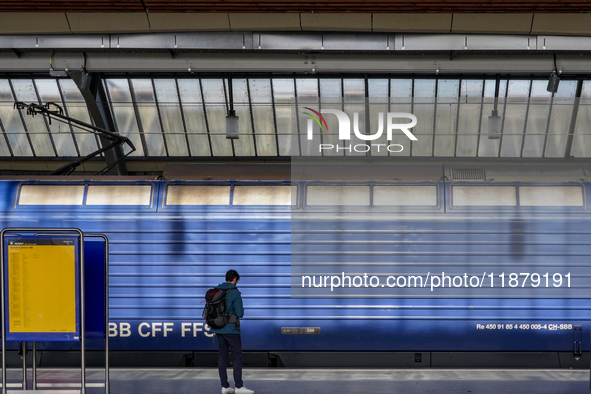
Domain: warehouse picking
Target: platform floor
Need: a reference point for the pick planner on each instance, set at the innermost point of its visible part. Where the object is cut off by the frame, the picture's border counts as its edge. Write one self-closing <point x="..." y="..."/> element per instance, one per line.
<point x="341" y="381"/>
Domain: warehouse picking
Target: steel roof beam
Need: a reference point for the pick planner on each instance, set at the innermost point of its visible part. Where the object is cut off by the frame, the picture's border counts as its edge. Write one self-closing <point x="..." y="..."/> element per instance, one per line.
<point x="249" y="41"/>
<point x="187" y="63"/>
<point x="97" y="103"/>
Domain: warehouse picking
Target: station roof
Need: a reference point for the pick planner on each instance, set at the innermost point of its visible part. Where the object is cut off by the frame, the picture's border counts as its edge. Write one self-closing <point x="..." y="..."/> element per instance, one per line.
<point x="163" y="67"/>
<point x="186" y="117"/>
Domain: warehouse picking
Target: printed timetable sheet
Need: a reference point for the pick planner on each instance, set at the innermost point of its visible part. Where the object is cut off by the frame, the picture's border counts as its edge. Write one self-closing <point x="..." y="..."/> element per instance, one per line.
<point x="42" y="288"/>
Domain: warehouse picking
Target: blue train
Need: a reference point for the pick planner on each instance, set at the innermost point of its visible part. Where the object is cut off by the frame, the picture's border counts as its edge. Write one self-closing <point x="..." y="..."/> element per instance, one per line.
<point x="520" y="250"/>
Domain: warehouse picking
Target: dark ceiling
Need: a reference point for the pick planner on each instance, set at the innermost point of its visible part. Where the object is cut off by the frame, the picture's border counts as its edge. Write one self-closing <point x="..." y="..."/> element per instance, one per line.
<point x="336" y="6"/>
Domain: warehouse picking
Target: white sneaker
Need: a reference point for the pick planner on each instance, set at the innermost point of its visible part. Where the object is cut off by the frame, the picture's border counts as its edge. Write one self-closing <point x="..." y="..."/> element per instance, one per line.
<point x="243" y="390"/>
<point x="227" y="390"/>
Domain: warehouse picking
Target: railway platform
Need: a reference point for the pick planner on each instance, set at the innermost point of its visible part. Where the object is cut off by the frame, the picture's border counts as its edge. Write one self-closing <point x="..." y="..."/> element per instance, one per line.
<point x="312" y="381"/>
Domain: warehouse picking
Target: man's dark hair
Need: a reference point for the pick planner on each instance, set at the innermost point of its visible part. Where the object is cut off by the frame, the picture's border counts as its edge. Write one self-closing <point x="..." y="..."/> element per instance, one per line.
<point x="230" y="275"/>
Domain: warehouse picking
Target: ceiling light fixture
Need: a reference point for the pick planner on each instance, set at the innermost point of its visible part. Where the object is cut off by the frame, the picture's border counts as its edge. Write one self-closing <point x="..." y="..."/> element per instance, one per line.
<point x="554" y="79"/>
<point x="232" y="126"/>
<point x="494" y="120"/>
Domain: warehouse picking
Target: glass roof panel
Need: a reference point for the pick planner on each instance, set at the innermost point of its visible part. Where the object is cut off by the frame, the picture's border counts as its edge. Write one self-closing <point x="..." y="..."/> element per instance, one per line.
<point x="61" y="132"/>
<point x="75" y="107"/>
<point x="245" y="145"/>
<point x="216" y="111"/>
<point x="263" y="117"/>
<point x="4" y="145"/>
<point x="446" y="118"/>
<point x="560" y="118"/>
<point x="378" y="87"/>
<point x="582" y="132"/>
<point x="378" y="107"/>
<point x="516" y="105"/>
<point x="120" y="96"/>
<point x="143" y="91"/>
<point x="307" y="87"/>
<point x="469" y="115"/>
<point x="36" y="127"/>
<point x="12" y="124"/>
<point x="171" y="117"/>
<point x="194" y="115"/>
<point x="537" y="120"/>
<point x="284" y="94"/>
<point x="354" y="89"/>
<point x="331" y="97"/>
<point x="401" y="90"/>
<point x="424" y="109"/>
<point x="331" y="87"/>
<point x="354" y="101"/>
<point x="307" y="92"/>
<point x="401" y="101"/>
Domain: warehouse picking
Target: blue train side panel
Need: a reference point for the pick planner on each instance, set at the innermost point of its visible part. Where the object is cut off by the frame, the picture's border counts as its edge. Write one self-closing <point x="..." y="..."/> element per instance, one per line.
<point x="162" y="261"/>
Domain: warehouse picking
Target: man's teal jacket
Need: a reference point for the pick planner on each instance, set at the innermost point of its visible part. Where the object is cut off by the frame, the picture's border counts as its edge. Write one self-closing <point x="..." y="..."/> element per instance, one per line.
<point x="233" y="306"/>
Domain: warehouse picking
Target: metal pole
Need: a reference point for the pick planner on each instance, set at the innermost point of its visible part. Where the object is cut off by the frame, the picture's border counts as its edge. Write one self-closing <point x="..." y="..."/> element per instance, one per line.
<point x="34" y="365"/>
<point x="497" y="83"/>
<point x="24" y="365"/>
<point x="573" y="120"/>
<point x="231" y="94"/>
<point x="82" y="328"/>
<point x="107" y="382"/>
<point x="3" y="315"/>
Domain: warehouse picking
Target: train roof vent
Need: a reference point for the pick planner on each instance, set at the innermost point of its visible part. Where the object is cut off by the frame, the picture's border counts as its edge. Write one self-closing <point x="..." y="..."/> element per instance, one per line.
<point x="467" y="174"/>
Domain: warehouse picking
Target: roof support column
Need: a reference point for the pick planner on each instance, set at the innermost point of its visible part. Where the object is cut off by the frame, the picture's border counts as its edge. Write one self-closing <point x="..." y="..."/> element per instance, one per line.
<point x="573" y="121"/>
<point x="91" y="87"/>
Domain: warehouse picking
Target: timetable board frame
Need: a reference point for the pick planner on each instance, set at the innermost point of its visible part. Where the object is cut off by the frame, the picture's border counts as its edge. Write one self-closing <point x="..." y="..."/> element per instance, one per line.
<point x="42" y="285"/>
<point x="52" y="232"/>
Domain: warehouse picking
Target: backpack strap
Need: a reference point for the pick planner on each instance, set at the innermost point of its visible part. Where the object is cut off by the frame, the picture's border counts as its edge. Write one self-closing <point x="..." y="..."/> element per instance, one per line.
<point x="233" y="318"/>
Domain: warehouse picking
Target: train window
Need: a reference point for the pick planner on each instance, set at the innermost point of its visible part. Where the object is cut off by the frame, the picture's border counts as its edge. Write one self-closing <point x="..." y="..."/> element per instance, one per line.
<point x="405" y="195"/>
<point x="556" y="196"/>
<point x="197" y="195"/>
<point x="484" y="196"/>
<point x="338" y="195"/>
<point x="119" y="195"/>
<point x="51" y="195"/>
<point x="263" y="195"/>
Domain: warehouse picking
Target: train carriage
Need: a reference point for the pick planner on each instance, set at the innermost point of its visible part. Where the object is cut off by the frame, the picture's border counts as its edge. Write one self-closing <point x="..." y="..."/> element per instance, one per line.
<point x="172" y="240"/>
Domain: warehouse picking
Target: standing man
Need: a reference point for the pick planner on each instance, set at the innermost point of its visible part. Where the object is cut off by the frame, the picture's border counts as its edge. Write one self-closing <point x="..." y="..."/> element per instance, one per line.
<point x="229" y="337"/>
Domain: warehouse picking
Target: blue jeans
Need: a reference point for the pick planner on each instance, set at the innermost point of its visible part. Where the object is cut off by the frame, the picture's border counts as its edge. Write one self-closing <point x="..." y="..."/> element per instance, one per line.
<point x="228" y="342"/>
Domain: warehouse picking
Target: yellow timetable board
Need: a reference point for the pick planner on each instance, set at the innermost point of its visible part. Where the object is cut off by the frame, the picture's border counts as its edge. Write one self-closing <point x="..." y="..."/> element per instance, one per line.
<point x="42" y="288"/>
